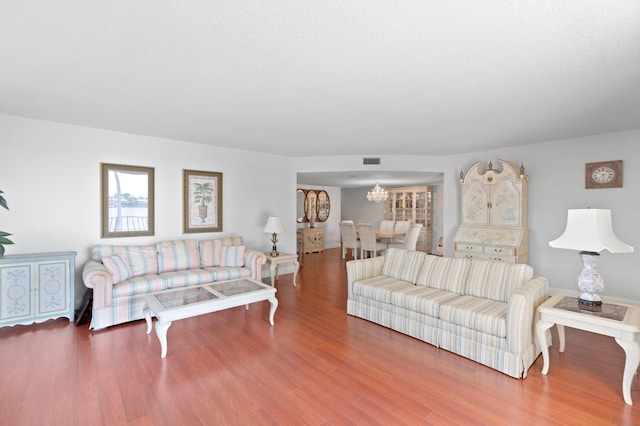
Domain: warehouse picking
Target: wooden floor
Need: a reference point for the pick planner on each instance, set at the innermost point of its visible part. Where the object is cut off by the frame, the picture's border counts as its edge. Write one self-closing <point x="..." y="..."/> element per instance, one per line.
<point x="315" y="366"/>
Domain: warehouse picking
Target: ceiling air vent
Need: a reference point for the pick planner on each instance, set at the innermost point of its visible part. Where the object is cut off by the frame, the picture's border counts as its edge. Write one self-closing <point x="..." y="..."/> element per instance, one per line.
<point x="366" y="161"/>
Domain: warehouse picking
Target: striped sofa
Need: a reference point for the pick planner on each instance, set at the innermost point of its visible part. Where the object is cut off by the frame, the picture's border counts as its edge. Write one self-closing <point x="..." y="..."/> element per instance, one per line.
<point x="481" y="309"/>
<point x="120" y="276"/>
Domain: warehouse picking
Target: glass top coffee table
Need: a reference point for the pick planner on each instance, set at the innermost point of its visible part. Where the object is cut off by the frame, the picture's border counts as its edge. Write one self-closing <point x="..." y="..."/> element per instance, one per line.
<point x="180" y="303"/>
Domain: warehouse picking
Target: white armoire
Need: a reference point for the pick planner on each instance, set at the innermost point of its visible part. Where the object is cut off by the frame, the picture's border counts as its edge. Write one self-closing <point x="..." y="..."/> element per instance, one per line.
<point x="494" y="214"/>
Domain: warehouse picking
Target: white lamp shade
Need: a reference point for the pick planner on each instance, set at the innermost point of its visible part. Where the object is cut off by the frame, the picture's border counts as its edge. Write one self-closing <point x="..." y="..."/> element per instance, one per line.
<point x="274" y="225"/>
<point x="590" y="230"/>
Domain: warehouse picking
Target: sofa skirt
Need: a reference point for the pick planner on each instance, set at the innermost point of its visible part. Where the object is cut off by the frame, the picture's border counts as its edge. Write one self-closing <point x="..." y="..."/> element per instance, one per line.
<point x="411" y="323"/>
<point x="483" y="348"/>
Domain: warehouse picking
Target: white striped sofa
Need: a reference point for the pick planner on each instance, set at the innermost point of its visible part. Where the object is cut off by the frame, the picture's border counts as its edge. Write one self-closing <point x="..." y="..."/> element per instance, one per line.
<point x="120" y="276"/>
<point x="481" y="309"/>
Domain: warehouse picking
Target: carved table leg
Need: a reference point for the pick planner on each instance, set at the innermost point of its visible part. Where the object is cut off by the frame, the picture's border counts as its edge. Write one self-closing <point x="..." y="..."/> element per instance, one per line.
<point x="272" y="311"/>
<point x="161" y="332"/>
<point x="541" y="335"/>
<point x="296" y="267"/>
<point x="561" y="339"/>
<point x="632" y="350"/>
<point x="147" y="318"/>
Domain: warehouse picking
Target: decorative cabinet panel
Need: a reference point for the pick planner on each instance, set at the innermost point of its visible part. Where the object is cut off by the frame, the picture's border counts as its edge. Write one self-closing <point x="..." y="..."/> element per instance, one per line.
<point x="36" y="287"/>
<point x="311" y="240"/>
<point x="415" y="205"/>
<point x="494" y="214"/>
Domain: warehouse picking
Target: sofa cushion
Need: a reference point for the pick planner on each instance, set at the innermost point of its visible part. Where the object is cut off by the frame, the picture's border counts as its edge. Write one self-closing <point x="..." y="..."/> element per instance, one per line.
<point x="222" y="273"/>
<point x="496" y="280"/>
<point x="402" y="264"/>
<point x="210" y="252"/>
<point x="118" y="267"/>
<point x="232" y="256"/>
<point x="379" y="288"/>
<point x="421" y="299"/>
<point x="139" y="285"/>
<point x="177" y="255"/>
<point x="444" y="273"/>
<point x="187" y="277"/>
<point x="476" y="313"/>
<point x="142" y="260"/>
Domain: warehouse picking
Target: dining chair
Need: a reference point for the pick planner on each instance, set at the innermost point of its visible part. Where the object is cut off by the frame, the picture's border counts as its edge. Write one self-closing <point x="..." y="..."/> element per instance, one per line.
<point x="387" y="225"/>
<point x="349" y="239"/>
<point x="411" y="241"/>
<point x="368" y="243"/>
<point x="403" y="227"/>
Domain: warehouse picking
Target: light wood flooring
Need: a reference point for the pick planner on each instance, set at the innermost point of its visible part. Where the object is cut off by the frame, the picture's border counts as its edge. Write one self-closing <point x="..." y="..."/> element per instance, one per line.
<point x="315" y="366"/>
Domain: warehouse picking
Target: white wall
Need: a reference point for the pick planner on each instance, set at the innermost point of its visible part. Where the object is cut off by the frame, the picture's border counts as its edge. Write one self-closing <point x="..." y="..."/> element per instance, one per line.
<point x="556" y="184"/>
<point x="356" y="207"/>
<point x="50" y="174"/>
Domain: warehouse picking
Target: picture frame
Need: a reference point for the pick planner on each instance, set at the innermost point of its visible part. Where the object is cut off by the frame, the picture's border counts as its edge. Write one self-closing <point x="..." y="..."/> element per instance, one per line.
<point x="127" y="202"/>
<point x="202" y="201"/>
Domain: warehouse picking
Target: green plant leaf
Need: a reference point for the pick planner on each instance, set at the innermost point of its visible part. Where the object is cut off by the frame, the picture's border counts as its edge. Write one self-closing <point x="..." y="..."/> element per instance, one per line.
<point x="5" y="241"/>
<point x="3" y="202"/>
<point x="4" y="234"/>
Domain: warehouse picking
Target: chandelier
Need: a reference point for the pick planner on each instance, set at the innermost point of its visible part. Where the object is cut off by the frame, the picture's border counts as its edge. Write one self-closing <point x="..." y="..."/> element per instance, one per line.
<point x="377" y="194"/>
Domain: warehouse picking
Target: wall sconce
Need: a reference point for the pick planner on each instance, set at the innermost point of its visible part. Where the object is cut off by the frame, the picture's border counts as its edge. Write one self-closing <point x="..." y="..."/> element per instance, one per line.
<point x="590" y="231"/>
<point x="274" y="227"/>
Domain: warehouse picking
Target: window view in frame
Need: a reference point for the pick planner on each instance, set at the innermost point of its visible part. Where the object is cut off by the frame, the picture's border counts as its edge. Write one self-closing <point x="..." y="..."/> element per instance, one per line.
<point x="127" y="200"/>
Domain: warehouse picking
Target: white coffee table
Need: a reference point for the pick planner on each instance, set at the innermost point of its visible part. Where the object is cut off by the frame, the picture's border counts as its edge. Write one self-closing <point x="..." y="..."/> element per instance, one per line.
<point x="176" y="304"/>
<point x="616" y="320"/>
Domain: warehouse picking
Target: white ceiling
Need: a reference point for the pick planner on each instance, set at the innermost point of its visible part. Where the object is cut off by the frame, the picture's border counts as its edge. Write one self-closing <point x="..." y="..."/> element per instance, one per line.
<point x="327" y="77"/>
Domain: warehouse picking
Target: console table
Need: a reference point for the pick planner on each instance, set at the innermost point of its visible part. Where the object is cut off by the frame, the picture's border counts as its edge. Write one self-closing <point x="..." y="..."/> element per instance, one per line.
<point x="616" y="320"/>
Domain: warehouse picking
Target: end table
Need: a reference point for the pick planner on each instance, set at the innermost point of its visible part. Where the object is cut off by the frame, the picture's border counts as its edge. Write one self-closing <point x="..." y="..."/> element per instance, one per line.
<point x="612" y="319"/>
<point x="275" y="261"/>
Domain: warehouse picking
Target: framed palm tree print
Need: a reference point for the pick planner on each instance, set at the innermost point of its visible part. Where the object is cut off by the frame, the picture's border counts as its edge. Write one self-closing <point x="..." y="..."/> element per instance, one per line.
<point x="202" y="204"/>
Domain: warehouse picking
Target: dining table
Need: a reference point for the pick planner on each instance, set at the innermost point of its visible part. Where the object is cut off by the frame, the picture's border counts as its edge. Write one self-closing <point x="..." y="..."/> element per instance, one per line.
<point x="386" y="236"/>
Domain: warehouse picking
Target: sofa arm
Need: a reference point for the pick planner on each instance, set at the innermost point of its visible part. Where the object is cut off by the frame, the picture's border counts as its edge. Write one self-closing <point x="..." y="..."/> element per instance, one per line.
<point x="97" y="277"/>
<point x="521" y="313"/>
<point x="254" y="259"/>
<point x="361" y="269"/>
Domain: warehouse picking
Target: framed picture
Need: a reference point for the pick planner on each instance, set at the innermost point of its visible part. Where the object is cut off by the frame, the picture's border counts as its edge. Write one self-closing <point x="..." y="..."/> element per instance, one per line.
<point x="127" y="200"/>
<point x="202" y="204"/>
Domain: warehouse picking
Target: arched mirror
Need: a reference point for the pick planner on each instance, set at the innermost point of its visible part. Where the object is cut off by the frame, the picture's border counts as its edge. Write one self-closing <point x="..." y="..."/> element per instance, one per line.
<point x="324" y="206"/>
<point x="311" y="206"/>
<point x="300" y="206"/>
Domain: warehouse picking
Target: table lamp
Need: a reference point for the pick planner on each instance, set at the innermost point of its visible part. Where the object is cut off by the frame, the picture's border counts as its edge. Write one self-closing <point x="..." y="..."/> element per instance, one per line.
<point x="590" y="231"/>
<point x="273" y="227"/>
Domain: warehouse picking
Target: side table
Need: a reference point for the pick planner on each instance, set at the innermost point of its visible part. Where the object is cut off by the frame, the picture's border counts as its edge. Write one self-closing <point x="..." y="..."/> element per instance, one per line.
<point x="612" y="319"/>
<point x="275" y="261"/>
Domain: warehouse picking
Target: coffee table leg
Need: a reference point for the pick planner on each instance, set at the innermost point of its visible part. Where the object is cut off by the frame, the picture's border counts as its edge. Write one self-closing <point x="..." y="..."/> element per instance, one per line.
<point x="541" y="335"/>
<point x="632" y="351"/>
<point x="161" y="332"/>
<point x="272" y="311"/>
<point x="147" y="318"/>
